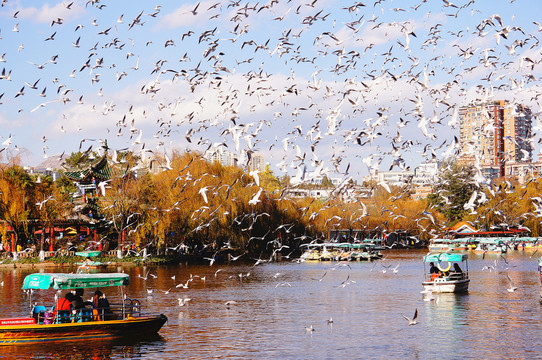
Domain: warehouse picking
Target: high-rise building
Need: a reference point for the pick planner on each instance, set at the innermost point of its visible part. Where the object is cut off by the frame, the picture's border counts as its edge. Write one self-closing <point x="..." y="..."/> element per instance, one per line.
<point x="493" y="134"/>
<point x="256" y="162"/>
<point x="221" y="156"/>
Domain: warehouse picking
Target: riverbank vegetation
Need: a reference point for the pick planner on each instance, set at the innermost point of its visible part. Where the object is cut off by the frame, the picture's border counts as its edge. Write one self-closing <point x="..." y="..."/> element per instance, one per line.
<point x="192" y="204"/>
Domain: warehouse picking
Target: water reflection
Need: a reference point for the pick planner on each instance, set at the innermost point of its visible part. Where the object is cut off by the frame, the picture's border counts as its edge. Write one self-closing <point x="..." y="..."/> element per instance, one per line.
<point x="275" y="303"/>
<point x="94" y="349"/>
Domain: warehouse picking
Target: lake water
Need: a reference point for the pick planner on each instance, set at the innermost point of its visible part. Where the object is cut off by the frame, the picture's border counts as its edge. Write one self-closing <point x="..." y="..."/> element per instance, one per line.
<point x="276" y="303"/>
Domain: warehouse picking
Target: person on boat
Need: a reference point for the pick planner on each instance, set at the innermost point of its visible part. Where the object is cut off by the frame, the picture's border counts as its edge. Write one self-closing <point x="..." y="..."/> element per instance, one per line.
<point x="457" y="269"/>
<point x="63" y="308"/>
<point x="101" y="307"/>
<point x="78" y="302"/>
<point x="434" y="271"/>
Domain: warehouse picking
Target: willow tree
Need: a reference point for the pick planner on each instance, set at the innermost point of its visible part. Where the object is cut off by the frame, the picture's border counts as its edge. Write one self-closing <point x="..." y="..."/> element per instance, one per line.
<point x="121" y="202"/>
<point x="16" y="187"/>
<point x="510" y="204"/>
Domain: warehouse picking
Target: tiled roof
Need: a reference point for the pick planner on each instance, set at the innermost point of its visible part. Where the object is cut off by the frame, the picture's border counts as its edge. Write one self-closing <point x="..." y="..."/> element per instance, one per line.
<point x="100" y="171"/>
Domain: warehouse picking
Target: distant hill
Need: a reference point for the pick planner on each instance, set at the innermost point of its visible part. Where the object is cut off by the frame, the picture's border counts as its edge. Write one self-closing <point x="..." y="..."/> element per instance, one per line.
<point x="53" y="162"/>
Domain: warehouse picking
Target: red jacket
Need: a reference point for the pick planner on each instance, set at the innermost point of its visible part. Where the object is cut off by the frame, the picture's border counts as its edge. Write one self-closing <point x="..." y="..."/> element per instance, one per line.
<point x="63" y="304"/>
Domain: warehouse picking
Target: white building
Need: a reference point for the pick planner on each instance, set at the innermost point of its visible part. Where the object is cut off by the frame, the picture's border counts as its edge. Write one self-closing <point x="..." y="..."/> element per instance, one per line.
<point x="426" y="173"/>
<point x="394" y="178"/>
<point x="317" y="180"/>
<point x="256" y="162"/>
<point x="221" y="156"/>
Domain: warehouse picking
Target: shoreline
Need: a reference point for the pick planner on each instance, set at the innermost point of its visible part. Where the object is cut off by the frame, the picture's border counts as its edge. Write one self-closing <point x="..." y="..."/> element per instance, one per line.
<point x="50" y="264"/>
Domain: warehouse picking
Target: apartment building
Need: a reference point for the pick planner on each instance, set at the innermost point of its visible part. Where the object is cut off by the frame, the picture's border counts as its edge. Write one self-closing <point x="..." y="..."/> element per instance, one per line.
<point x="493" y="134"/>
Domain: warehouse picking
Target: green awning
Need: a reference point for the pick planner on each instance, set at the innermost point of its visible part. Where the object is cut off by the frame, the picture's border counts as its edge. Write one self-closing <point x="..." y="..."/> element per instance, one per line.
<point x="73" y="281"/>
<point x="454" y="257"/>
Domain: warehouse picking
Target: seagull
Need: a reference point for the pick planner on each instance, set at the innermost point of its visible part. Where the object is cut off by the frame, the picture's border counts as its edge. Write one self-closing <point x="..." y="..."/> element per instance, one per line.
<point x="230" y="302"/>
<point x="219" y="270"/>
<point x="211" y="260"/>
<point x="194" y="10"/>
<point x="309" y="329"/>
<point x="182" y="302"/>
<point x="184" y="286"/>
<point x="512" y="288"/>
<point x="428" y="297"/>
<point x="413" y="320"/>
<point x="203" y="192"/>
<point x="233" y="258"/>
<point x="321" y="277"/>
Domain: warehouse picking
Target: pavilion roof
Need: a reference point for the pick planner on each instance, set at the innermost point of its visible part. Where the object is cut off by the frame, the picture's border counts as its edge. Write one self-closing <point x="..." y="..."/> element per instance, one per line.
<point x="100" y="171"/>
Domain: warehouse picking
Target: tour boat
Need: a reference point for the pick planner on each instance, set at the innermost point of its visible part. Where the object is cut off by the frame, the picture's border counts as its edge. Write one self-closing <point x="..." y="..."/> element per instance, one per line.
<point x="442" y="244"/>
<point x="340" y="252"/>
<point x="119" y="321"/>
<point x="312" y="254"/>
<point x="452" y="275"/>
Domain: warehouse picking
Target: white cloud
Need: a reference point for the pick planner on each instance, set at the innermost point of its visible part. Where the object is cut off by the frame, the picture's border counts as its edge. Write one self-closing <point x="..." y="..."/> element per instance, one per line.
<point x="188" y="15"/>
<point x="46" y="14"/>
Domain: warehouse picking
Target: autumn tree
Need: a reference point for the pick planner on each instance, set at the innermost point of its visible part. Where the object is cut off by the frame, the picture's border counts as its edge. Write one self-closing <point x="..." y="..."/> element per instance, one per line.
<point x="16" y="187"/>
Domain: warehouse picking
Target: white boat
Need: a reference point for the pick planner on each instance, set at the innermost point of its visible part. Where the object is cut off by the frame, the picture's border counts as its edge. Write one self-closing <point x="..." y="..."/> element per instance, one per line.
<point x="443" y="244"/>
<point x="452" y="275"/>
<point x="492" y="245"/>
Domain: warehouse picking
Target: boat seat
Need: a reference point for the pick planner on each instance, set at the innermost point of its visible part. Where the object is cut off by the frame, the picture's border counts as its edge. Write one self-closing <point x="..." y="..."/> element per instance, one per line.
<point x="38" y="313"/>
<point x="83" y="315"/>
<point x="64" y="316"/>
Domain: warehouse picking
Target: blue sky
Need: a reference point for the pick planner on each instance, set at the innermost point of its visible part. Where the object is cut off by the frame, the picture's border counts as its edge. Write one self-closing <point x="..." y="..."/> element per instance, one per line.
<point x="325" y="87"/>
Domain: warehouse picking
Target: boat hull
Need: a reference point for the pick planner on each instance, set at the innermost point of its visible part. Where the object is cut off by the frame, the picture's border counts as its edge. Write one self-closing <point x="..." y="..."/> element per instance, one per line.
<point x="449" y="286"/>
<point x="112" y="329"/>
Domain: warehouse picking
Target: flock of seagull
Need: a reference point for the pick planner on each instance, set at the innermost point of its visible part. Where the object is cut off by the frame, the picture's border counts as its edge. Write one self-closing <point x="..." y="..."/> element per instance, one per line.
<point x="324" y="81"/>
<point x="320" y="90"/>
<point x="280" y="281"/>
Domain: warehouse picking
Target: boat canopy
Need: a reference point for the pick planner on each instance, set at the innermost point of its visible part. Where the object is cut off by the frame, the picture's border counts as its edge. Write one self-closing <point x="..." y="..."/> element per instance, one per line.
<point x="88" y="254"/>
<point x="453" y="257"/>
<point x="72" y="281"/>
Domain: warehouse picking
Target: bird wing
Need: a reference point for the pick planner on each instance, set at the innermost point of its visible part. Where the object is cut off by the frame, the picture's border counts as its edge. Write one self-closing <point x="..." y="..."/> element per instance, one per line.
<point x="415" y="315"/>
<point x="510" y="280"/>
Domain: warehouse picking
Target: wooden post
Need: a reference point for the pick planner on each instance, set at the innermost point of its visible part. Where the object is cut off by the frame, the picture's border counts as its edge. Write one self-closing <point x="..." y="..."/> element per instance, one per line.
<point x="51" y="239"/>
<point x="119" y="250"/>
<point x="95" y="237"/>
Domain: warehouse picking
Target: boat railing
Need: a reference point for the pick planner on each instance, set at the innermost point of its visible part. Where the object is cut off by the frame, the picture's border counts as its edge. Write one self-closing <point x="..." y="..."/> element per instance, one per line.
<point x="452" y="276"/>
<point x="127" y="309"/>
<point x="457" y="276"/>
<point x="131" y="307"/>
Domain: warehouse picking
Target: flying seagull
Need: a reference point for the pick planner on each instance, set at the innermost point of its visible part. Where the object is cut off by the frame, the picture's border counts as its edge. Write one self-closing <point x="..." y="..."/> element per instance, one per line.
<point x="413" y="320"/>
<point x="512" y="288"/>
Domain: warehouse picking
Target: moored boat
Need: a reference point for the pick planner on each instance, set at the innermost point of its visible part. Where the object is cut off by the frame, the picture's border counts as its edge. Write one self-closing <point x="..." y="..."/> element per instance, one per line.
<point x="44" y="325"/>
<point x="443" y="244"/>
<point x="88" y="263"/>
<point x="449" y="275"/>
<point x="492" y="245"/>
